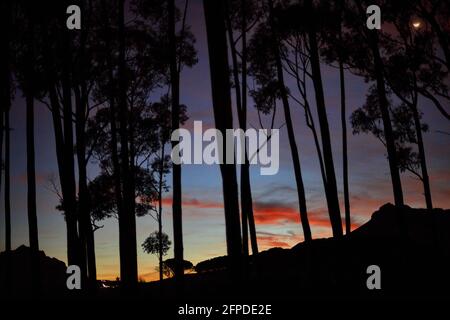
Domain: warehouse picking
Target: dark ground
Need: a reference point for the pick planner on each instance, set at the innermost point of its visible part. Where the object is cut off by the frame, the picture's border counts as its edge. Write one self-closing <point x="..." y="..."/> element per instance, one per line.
<point x="411" y="246"/>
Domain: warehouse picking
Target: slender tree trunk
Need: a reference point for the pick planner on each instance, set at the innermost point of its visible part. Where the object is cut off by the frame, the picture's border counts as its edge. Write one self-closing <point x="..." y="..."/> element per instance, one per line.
<point x="117" y="186"/>
<point x="344" y="150"/>
<point x="114" y="133"/>
<point x="85" y="226"/>
<point x="247" y="217"/>
<point x="372" y="38"/>
<point x="131" y="199"/>
<point x="332" y="199"/>
<point x="92" y="260"/>
<point x="176" y="171"/>
<point x="245" y="169"/>
<point x="160" y="192"/>
<point x="70" y="202"/>
<point x="388" y="132"/>
<point x="348" y="226"/>
<point x="8" y="202"/>
<point x="301" y="85"/>
<point x="31" y="168"/>
<point x="221" y="94"/>
<point x="2" y="131"/>
<point x="68" y="211"/>
<point x="312" y="126"/>
<point x="240" y="113"/>
<point x="291" y="136"/>
<point x="128" y="223"/>
<point x="71" y="226"/>
<point x="296" y="163"/>
<point x="5" y="107"/>
<point x="59" y="142"/>
<point x="31" y="195"/>
<point x="82" y="113"/>
<point x="423" y="163"/>
<point x="421" y="147"/>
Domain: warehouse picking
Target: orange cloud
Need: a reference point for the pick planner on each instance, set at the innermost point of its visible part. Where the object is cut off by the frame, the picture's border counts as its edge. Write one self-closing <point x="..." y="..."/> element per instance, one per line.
<point x="188" y="202"/>
<point x="270" y="213"/>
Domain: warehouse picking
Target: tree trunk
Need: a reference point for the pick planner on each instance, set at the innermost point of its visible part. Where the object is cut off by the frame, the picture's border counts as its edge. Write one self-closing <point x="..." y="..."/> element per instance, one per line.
<point x="4" y="117"/>
<point x="82" y="114"/>
<point x="291" y="136"/>
<point x="85" y="226"/>
<point x="31" y="167"/>
<point x="423" y="163"/>
<point x="372" y="38"/>
<point x="388" y="133"/>
<point x="221" y="95"/>
<point x="176" y="172"/>
<point x="127" y="219"/>
<point x="160" y="191"/>
<point x="348" y="226"/>
<point x="68" y="211"/>
<point x="3" y="104"/>
<point x="31" y="194"/>
<point x="131" y="198"/>
<point x="245" y="169"/>
<point x="332" y="193"/>
<point x="247" y="216"/>
<point x="70" y="202"/>
<point x="295" y="159"/>
<point x="117" y="185"/>
<point x="114" y="132"/>
<point x="72" y="233"/>
<point x="8" y="202"/>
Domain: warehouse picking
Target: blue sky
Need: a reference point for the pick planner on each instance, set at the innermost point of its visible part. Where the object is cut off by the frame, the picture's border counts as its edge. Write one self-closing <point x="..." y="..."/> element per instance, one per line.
<point x="275" y="196"/>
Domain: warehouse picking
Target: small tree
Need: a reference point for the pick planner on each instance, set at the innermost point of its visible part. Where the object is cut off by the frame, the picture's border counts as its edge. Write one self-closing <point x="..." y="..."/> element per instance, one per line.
<point x="169" y="267"/>
<point x="159" y="244"/>
<point x="151" y="244"/>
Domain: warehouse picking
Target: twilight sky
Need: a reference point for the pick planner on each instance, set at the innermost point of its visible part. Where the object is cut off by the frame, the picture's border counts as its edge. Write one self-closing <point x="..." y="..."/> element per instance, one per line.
<point x="275" y="199"/>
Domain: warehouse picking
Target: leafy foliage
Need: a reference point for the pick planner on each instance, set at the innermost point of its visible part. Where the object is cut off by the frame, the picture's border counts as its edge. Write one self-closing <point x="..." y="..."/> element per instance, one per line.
<point x="152" y="243"/>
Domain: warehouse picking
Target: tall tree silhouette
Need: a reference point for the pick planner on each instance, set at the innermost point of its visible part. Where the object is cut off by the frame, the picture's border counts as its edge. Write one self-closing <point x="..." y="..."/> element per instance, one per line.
<point x="333" y="49"/>
<point x="111" y="88"/>
<point x="267" y="69"/>
<point x="290" y="128"/>
<point x="296" y="64"/>
<point x="221" y="94"/>
<point x="127" y="221"/>
<point x="56" y="41"/>
<point x="332" y="194"/>
<point x="240" y="16"/>
<point x="70" y="198"/>
<point x="408" y="69"/>
<point x="341" y="58"/>
<point x="372" y="39"/>
<point x="176" y="171"/>
<point x="174" y="50"/>
<point x="300" y="21"/>
<point x="28" y="89"/>
<point x="161" y="165"/>
<point x="5" y="107"/>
